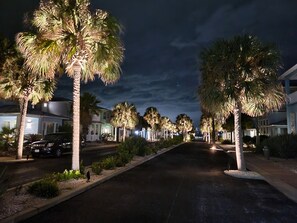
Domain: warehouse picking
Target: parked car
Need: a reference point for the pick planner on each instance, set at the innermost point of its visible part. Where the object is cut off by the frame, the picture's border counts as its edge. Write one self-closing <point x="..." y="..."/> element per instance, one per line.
<point x="54" y="144"/>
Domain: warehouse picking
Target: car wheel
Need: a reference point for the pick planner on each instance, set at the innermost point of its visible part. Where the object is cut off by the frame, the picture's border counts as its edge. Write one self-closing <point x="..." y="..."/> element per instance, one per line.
<point x="58" y="153"/>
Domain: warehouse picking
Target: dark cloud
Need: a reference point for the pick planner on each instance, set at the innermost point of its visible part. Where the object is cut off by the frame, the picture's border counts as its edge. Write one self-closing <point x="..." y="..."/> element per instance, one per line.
<point x="163" y="39"/>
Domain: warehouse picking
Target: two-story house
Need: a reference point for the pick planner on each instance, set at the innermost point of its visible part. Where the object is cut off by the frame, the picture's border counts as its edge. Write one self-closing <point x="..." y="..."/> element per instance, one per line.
<point x="101" y="126"/>
<point x="290" y="79"/>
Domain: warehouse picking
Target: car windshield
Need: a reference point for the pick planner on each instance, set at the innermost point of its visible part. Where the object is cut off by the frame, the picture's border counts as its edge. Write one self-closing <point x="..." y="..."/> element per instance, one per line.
<point x="53" y="137"/>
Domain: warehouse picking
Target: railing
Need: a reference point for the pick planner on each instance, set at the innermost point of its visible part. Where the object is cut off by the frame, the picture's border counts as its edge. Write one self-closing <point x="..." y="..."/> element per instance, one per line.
<point x="292" y="98"/>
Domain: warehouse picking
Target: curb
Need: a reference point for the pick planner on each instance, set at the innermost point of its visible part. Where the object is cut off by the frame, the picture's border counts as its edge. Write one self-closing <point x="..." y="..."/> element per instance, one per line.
<point x="25" y="214"/>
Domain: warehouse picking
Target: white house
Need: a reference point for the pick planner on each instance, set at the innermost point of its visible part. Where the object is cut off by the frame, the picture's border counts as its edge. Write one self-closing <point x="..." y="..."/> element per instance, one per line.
<point x="46" y="117"/>
<point x="290" y="77"/>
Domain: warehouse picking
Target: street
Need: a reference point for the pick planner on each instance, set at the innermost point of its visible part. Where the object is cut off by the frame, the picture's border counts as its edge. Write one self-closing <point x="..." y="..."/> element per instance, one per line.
<point x="186" y="184"/>
<point x="24" y="172"/>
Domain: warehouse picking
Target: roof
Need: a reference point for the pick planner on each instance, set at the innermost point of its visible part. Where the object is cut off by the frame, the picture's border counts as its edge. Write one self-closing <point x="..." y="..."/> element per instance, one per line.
<point x="15" y="109"/>
<point x="290" y="74"/>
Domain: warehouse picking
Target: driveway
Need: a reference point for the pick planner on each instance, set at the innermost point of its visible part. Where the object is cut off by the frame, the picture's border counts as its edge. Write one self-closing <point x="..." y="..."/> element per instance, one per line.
<point x="186" y="184"/>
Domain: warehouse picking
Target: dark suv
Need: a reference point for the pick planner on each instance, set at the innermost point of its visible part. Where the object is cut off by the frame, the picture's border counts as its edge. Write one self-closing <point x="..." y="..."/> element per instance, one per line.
<point x="54" y="144"/>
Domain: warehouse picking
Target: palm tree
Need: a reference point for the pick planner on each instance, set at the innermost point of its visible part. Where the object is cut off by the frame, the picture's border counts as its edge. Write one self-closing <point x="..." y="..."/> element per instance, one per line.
<point x="67" y="35"/>
<point x="165" y="125"/>
<point x="184" y="124"/>
<point x="18" y="83"/>
<point x="152" y="116"/>
<point x="124" y="115"/>
<point x="173" y="129"/>
<point x="240" y="76"/>
<point x="88" y="108"/>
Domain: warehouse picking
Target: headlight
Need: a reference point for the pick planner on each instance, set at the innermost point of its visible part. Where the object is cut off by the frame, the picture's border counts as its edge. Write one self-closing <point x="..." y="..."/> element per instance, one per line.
<point x="50" y="144"/>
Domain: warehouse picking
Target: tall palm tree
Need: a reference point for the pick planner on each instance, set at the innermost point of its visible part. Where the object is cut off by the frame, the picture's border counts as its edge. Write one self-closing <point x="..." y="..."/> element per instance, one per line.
<point x="184" y="124"/>
<point x="18" y="83"/>
<point x="240" y="76"/>
<point x="88" y="108"/>
<point x="153" y="118"/>
<point x="124" y="115"/>
<point x="67" y="35"/>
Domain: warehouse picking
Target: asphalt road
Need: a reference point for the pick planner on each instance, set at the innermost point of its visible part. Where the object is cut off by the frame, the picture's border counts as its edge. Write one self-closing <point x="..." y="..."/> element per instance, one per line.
<point x="186" y="184"/>
<point x="19" y="173"/>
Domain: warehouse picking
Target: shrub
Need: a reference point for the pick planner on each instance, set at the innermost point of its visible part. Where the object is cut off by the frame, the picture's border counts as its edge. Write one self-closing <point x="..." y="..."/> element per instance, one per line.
<point x="134" y="146"/>
<point x="119" y="161"/>
<point x="82" y="167"/>
<point x="96" y="167"/>
<point x="125" y="156"/>
<point x="226" y="141"/>
<point x="165" y="143"/>
<point x="108" y="163"/>
<point x="284" y="146"/>
<point x="44" y="188"/>
<point x="67" y="175"/>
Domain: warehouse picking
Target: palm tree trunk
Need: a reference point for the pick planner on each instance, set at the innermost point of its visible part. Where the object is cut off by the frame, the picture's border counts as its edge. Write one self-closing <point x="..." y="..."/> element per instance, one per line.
<point x="124" y="134"/>
<point x="21" y="133"/>
<point x="238" y="138"/>
<point x="257" y="133"/>
<point x="76" y="118"/>
<point x="213" y="133"/>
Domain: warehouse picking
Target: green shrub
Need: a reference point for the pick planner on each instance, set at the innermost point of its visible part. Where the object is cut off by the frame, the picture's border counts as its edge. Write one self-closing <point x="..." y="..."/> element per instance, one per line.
<point x="44" y="188"/>
<point x="134" y="146"/>
<point x="125" y="156"/>
<point x="283" y="146"/>
<point x="82" y="167"/>
<point x="3" y="180"/>
<point x="119" y="161"/>
<point x="165" y="143"/>
<point x="67" y="175"/>
<point x="108" y="163"/>
<point x="96" y="168"/>
<point x="226" y="141"/>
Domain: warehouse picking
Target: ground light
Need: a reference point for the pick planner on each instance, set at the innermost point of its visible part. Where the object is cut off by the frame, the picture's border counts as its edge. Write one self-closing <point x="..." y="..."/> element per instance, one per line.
<point x="215" y="148"/>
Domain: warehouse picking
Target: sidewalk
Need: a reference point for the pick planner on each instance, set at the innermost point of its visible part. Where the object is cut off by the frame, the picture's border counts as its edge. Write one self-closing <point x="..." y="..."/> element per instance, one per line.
<point x="280" y="173"/>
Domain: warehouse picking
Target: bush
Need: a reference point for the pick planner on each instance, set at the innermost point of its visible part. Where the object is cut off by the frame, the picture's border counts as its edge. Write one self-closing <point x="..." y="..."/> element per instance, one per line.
<point x="96" y="168"/>
<point x="44" y="188"/>
<point x="82" y="167"/>
<point x="67" y="175"/>
<point x="125" y="156"/>
<point x="283" y="146"/>
<point x="226" y="141"/>
<point x="119" y="161"/>
<point x="133" y="145"/>
<point x="165" y="143"/>
<point x="108" y="163"/>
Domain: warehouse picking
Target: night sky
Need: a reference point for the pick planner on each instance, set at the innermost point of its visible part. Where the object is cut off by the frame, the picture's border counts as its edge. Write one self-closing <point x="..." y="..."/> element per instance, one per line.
<point x="163" y="39"/>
